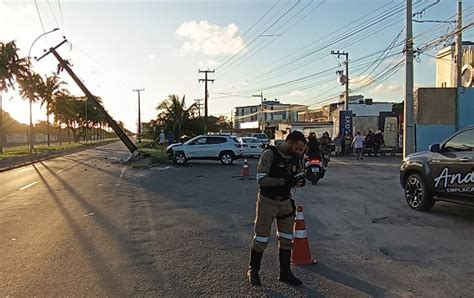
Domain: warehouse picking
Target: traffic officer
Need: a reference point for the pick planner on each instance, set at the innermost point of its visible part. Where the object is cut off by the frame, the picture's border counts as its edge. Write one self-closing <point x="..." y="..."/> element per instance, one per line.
<point x="278" y="171"/>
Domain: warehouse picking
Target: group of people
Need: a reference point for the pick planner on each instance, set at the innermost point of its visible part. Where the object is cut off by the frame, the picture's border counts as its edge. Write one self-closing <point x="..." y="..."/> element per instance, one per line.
<point x="372" y="142"/>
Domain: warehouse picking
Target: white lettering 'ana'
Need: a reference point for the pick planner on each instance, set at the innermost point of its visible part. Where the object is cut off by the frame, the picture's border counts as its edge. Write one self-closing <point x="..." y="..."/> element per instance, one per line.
<point x="451" y="179"/>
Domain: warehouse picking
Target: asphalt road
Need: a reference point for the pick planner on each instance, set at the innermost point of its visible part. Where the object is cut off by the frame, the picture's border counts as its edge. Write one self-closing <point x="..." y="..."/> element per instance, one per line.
<point x="83" y="225"/>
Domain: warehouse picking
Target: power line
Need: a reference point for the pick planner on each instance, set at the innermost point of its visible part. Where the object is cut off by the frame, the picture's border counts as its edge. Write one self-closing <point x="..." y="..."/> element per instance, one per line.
<point x="265" y="31"/>
<point x="275" y="35"/>
<point x="39" y="16"/>
<point x="61" y="16"/>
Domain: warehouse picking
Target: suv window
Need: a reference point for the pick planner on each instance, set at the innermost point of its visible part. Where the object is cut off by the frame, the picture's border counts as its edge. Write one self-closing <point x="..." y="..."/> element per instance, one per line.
<point x="200" y="141"/>
<point x="461" y="142"/>
<point x="216" y="140"/>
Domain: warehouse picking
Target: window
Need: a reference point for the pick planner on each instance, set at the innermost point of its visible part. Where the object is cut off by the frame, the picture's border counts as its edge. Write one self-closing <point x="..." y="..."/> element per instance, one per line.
<point x="463" y="141"/>
<point x="200" y="141"/>
<point x="213" y="141"/>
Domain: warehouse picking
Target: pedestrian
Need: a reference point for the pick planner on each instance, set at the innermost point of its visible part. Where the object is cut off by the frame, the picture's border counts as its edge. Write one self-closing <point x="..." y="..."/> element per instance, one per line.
<point x="378" y="142"/>
<point x="278" y="172"/>
<point x="348" y="144"/>
<point x="171" y="138"/>
<point x="339" y="143"/>
<point x="358" y="144"/>
<point x="369" y="141"/>
<point x="162" y="138"/>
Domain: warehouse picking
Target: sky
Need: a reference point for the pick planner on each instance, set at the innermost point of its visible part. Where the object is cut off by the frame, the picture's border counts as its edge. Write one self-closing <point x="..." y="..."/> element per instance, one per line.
<point x="117" y="46"/>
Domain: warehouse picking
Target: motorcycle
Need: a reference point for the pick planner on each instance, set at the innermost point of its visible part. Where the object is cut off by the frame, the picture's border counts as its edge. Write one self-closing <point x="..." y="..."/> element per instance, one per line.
<point x="314" y="170"/>
<point x="326" y="156"/>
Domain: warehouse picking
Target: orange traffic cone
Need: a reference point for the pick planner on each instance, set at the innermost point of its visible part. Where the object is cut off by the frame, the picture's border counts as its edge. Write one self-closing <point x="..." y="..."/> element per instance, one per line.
<point x="245" y="169"/>
<point x="301" y="254"/>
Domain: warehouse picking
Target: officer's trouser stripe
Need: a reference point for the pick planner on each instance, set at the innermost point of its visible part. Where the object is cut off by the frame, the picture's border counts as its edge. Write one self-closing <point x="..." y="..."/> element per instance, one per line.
<point x="285" y="235"/>
<point x="261" y="239"/>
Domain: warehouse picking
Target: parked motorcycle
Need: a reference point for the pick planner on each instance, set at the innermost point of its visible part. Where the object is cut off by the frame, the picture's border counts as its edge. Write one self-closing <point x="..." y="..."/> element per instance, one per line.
<point x="314" y="170"/>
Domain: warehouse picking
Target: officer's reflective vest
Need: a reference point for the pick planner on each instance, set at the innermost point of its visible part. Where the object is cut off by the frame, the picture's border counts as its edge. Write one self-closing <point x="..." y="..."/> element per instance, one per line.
<point x="280" y="168"/>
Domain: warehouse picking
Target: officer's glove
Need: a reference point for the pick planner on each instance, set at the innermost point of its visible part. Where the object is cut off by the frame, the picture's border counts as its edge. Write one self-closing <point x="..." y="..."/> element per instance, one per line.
<point x="298" y="180"/>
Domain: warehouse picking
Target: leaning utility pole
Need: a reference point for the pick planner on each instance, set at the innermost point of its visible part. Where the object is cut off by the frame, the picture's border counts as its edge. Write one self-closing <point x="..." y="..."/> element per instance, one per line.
<point x="408" y="128"/>
<point x="346" y="82"/>
<point x="1" y="119"/>
<point x="262" y="121"/>
<point x="64" y="65"/>
<point x="139" y="127"/>
<point x="206" y="95"/>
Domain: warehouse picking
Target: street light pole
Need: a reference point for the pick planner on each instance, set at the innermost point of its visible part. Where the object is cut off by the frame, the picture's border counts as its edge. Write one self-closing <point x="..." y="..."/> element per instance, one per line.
<point x="30" y="129"/>
<point x="139" y="127"/>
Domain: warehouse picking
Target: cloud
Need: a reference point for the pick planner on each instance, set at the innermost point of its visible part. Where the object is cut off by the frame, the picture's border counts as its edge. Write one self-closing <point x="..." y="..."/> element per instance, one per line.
<point x="392" y="88"/>
<point x="207" y="64"/>
<point x="361" y="80"/>
<point x="298" y="94"/>
<point x="210" y="39"/>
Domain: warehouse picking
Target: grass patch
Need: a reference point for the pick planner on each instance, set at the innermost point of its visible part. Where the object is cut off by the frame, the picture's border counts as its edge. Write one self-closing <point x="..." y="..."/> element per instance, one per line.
<point x="157" y="156"/>
<point x="39" y="149"/>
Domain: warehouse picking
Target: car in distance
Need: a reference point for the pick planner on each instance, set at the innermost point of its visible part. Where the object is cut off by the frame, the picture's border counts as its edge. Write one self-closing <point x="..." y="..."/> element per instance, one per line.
<point x="275" y="142"/>
<point x="226" y="149"/>
<point x="251" y="146"/>
<point x="444" y="173"/>
<point x="262" y="137"/>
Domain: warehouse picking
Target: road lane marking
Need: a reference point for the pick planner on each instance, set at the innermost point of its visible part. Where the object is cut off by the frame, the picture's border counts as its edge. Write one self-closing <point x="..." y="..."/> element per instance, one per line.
<point x="28" y="185"/>
<point x="121" y="175"/>
<point x="65" y="169"/>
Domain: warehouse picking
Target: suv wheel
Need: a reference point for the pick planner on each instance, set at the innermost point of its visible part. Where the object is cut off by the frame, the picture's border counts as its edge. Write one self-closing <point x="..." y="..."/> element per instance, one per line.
<point x="226" y="158"/>
<point x="179" y="158"/>
<point x="416" y="193"/>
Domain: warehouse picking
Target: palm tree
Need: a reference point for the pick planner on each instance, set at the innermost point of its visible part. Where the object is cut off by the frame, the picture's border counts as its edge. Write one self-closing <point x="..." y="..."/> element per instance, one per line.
<point x="62" y="110"/>
<point x="49" y="92"/>
<point x="11" y="65"/>
<point x="31" y="85"/>
<point x="173" y="113"/>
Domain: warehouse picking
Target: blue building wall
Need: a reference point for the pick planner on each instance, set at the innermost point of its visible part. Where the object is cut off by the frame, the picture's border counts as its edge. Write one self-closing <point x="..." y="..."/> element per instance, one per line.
<point x="429" y="134"/>
<point x="466" y="107"/>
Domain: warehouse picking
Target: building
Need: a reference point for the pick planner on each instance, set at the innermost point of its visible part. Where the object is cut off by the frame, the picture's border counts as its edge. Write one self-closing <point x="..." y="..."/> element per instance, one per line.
<point x="274" y="112"/>
<point x="315" y="115"/>
<point x="365" y="113"/>
<point x="446" y="67"/>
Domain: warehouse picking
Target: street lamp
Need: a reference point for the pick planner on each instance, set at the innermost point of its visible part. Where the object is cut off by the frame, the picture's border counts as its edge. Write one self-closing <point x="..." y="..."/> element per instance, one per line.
<point x="30" y="131"/>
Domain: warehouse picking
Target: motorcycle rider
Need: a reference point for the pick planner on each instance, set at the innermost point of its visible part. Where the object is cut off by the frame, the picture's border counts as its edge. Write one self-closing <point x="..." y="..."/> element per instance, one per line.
<point x="278" y="171"/>
<point x="325" y="143"/>
<point x="312" y="149"/>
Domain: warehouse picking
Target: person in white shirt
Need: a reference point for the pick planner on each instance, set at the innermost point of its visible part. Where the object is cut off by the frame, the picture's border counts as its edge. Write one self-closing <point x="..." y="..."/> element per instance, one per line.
<point x="358" y="145"/>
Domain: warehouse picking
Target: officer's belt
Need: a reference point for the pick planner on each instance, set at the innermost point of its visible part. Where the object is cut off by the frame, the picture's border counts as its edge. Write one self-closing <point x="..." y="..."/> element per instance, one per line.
<point x="278" y="198"/>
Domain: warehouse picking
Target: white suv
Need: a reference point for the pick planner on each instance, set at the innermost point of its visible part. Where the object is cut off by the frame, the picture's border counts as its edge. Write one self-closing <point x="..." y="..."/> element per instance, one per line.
<point x="223" y="148"/>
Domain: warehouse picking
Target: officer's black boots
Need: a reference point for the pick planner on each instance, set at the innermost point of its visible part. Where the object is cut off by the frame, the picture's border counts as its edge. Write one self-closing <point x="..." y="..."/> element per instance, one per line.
<point x="286" y="275"/>
<point x="254" y="267"/>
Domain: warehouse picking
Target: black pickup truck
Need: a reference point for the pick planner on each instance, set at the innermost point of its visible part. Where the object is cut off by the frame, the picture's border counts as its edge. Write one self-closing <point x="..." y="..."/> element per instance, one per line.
<point x="444" y="173"/>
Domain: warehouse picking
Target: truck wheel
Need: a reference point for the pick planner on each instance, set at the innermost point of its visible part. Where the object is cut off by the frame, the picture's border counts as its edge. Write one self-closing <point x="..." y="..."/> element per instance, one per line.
<point x="179" y="158"/>
<point x="417" y="195"/>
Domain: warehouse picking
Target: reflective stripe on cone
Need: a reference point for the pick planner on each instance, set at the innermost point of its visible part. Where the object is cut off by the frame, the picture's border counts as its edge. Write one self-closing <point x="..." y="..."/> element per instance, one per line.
<point x="301" y="254"/>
